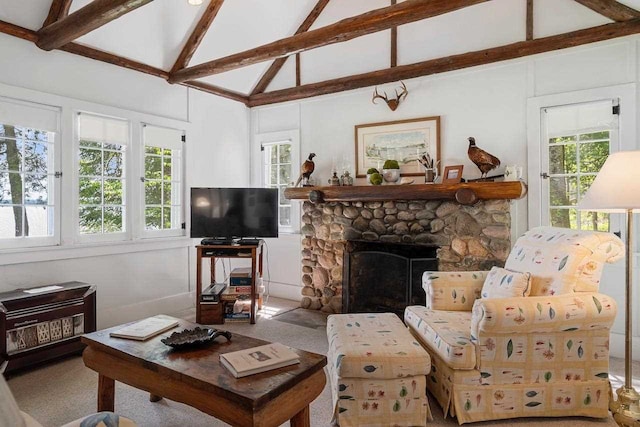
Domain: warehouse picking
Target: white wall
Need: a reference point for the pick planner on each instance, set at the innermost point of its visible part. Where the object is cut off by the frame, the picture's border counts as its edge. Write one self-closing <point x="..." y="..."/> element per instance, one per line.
<point x="487" y="102"/>
<point x="134" y="279"/>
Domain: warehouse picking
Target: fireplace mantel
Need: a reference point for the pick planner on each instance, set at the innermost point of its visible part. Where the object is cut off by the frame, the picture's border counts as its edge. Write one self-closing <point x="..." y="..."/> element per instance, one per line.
<point x="464" y="193"/>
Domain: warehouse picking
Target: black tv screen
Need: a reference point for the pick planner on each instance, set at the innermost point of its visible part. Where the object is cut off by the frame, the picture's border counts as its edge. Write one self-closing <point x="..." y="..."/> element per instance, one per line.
<point x="234" y="212"/>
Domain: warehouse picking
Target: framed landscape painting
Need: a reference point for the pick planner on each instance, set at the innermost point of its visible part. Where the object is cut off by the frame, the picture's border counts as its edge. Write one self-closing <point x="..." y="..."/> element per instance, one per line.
<point x="402" y="140"/>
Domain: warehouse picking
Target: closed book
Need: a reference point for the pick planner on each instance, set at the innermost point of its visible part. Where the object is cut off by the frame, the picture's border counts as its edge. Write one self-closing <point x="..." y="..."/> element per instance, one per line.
<point x="239" y="289"/>
<point x="212" y="293"/>
<point x="234" y="320"/>
<point x="146" y="328"/>
<point x="239" y="281"/>
<point x="241" y="272"/>
<point x="258" y="359"/>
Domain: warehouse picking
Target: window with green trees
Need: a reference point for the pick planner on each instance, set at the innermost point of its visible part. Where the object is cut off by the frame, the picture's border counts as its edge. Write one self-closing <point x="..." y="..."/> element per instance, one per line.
<point x="162" y="178"/>
<point x="574" y="161"/>
<point x="26" y="182"/>
<point x="277" y="174"/>
<point x="102" y="144"/>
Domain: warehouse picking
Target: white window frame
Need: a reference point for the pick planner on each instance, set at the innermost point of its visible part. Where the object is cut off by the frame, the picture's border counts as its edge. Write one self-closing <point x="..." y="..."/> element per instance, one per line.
<point x="54" y="195"/>
<point x="536" y="132"/>
<point x="103" y="237"/>
<point x="293" y="136"/>
<point x="144" y="233"/>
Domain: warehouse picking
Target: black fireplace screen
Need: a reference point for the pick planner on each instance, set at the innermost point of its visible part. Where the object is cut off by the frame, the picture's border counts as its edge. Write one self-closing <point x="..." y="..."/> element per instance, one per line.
<point x="385" y="277"/>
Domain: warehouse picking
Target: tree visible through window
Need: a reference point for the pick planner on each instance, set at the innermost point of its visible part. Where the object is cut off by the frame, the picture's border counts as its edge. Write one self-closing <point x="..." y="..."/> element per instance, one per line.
<point x="277" y="174"/>
<point x="26" y="182"/>
<point x="574" y="161"/>
<point x="163" y="179"/>
<point x="101" y="157"/>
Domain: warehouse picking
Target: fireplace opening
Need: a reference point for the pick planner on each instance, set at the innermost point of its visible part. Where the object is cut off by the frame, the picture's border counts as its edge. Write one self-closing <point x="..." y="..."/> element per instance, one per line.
<point x="384" y="277"/>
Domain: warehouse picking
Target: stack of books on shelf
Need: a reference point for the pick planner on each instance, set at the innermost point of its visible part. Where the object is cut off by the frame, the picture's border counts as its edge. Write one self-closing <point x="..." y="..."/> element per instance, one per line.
<point x="238" y="311"/>
<point x="259" y="359"/>
<point x="212" y="293"/>
<point x="240" y="281"/>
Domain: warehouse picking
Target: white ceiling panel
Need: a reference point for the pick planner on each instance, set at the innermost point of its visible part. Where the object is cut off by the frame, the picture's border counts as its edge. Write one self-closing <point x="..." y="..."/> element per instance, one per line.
<point x="152" y="34"/>
<point x="495" y="23"/>
<point x="28" y="14"/>
<point x="246" y="24"/>
<point x="337" y="10"/>
<point x="286" y="78"/>
<point x="552" y="17"/>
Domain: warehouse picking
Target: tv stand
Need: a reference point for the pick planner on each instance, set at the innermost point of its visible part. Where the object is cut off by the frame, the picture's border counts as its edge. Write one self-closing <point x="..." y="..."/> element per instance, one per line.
<point x="208" y="313"/>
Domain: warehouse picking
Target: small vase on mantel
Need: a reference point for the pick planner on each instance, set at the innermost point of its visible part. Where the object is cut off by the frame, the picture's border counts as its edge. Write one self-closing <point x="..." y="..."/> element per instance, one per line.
<point x="346" y="178"/>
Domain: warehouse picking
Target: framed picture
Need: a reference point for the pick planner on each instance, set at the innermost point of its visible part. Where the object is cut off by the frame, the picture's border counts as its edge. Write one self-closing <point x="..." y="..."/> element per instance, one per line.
<point x="452" y="174"/>
<point x="402" y="140"/>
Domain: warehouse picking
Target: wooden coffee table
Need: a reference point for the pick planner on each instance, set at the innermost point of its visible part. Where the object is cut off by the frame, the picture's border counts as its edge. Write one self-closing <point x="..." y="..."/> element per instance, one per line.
<point x="197" y="378"/>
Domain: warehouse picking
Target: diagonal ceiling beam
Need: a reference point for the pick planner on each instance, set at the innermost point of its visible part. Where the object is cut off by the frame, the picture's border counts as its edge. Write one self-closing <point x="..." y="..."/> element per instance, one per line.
<point x="82" y="21"/>
<point x="197" y="35"/>
<point x="58" y="10"/>
<point x="347" y="29"/>
<point x="98" y="55"/>
<point x="450" y="63"/>
<point x="278" y="63"/>
<point x="611" y="9"/>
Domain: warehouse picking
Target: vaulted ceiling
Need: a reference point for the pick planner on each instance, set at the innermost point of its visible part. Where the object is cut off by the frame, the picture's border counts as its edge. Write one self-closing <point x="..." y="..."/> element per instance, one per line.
<point x="261" y="52"/>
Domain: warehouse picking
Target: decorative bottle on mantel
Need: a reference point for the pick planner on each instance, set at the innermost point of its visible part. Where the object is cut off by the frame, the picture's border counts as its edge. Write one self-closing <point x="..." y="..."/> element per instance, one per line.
<point x="346" y="178"/>
<point x="334" y="180"/>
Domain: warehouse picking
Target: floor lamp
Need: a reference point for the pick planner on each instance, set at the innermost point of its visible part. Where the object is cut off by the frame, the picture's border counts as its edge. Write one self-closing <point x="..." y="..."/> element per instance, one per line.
<point x="617" y="189"/>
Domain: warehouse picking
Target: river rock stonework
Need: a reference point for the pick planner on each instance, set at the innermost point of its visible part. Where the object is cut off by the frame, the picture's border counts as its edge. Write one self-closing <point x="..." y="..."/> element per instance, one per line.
<point x="475" y="237"/>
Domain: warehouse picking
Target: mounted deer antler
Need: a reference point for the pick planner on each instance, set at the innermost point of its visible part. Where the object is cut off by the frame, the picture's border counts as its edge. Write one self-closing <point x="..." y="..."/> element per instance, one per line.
<point x="391" y="103"/>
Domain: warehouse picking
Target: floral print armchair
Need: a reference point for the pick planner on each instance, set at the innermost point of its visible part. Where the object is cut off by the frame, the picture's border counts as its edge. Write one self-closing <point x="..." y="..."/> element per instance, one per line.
<point x="544" y="352"/>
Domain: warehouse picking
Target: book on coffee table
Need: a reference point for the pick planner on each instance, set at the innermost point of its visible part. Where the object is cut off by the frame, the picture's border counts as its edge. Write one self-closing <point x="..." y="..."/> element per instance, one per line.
<point x="146" y="328"/>
<point x="259" y="359"/>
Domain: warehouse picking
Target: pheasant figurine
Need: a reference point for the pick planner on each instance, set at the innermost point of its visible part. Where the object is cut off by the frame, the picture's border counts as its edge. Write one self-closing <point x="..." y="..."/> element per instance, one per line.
<point x="483" y="160"/>
<point x="306" y="170"/>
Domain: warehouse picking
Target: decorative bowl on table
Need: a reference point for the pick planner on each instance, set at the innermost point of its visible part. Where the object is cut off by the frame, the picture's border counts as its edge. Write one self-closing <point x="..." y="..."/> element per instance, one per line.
<point x="194" y="337"/>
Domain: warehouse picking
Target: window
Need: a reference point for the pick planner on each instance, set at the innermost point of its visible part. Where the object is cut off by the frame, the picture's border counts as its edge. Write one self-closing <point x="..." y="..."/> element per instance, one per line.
<point x="28" y="184"/>
<point x="163" y="206"/>
<point x="579" y="140"/>
<point x="277" y="174"/>
<point x="102" y="200"/>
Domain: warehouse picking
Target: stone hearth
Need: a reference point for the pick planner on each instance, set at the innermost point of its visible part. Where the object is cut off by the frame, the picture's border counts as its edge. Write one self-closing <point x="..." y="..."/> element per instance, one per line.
<point x="469" y="237"/>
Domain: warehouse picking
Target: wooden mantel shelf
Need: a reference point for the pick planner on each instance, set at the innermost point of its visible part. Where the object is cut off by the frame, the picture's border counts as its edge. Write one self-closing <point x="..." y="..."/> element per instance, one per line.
<point x="464" y="193"/>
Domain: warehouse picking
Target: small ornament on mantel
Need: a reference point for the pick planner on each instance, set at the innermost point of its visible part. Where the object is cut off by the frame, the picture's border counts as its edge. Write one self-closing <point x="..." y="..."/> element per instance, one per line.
<point x="346" y="178"/>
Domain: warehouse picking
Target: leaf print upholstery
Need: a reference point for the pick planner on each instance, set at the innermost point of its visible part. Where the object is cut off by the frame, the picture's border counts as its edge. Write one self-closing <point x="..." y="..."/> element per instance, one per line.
<point x="546" y="354"/>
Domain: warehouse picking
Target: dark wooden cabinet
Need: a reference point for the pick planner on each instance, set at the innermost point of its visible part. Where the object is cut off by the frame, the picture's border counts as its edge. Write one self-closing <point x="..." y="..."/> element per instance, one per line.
<point x="45" y="322"/>
<point x="213" y="313"/>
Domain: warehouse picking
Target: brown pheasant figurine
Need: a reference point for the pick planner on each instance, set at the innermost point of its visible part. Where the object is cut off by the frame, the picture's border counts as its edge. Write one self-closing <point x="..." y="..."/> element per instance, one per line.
<point x="483" y="160"/>
<point x="306" y="170"/>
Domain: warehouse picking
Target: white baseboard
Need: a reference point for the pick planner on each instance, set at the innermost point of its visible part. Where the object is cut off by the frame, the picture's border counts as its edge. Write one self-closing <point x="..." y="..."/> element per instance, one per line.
<point x="286" y="291"/>
<point x="171" y="304"/>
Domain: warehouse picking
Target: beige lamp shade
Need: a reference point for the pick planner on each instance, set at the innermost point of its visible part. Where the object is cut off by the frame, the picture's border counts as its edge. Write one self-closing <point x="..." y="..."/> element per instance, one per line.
<point x="617" y="185"/>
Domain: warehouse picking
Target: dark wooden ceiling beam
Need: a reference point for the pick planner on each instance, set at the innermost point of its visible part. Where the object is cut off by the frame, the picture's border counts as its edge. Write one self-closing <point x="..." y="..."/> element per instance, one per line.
<point x="347" y="29"/>
<point x="215" y="90"/>
<point x="529" y="35"/>
<point x="98" y="55"/>
<point x="611" y="9"/>
<point x="82" y="21"/>
<point x="58" y="10"/>
<point x="450" y="63"/>
<point x="197" y="35"/>
<point x="393" y="61"/>
<point x="275" y="67"/>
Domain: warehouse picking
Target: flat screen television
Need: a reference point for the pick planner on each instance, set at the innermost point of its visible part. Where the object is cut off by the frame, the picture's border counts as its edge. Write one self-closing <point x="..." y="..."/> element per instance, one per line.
<point x="234" y="213"/>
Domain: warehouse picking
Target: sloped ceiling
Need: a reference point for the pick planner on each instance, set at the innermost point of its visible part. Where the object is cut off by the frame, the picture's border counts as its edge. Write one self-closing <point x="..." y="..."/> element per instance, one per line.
<point x="154" y="34"/>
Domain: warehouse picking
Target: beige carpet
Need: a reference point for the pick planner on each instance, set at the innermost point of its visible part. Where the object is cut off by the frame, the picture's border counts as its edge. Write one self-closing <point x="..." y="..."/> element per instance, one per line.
<point x="61" y="392"/>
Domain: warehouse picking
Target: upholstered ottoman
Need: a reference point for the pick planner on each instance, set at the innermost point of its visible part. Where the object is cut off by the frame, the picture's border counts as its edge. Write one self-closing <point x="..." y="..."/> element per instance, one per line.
<point x="377" y="371"/>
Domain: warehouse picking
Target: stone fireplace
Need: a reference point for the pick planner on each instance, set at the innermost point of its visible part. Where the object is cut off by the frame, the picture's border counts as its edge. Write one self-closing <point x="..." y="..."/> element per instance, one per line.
<point x="466" y="237"/>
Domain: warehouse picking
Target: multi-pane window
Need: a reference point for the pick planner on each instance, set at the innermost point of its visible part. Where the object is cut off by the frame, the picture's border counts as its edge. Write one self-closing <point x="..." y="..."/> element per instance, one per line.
<point x="26" y="182"/>
<point x="29" y="185"/>
<point x="579" y="138"/>
<point x="102" y="145"/>
<point x="162" y="178"/>
<point x="574" y="161"/>
<point x="277" y="174"/>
